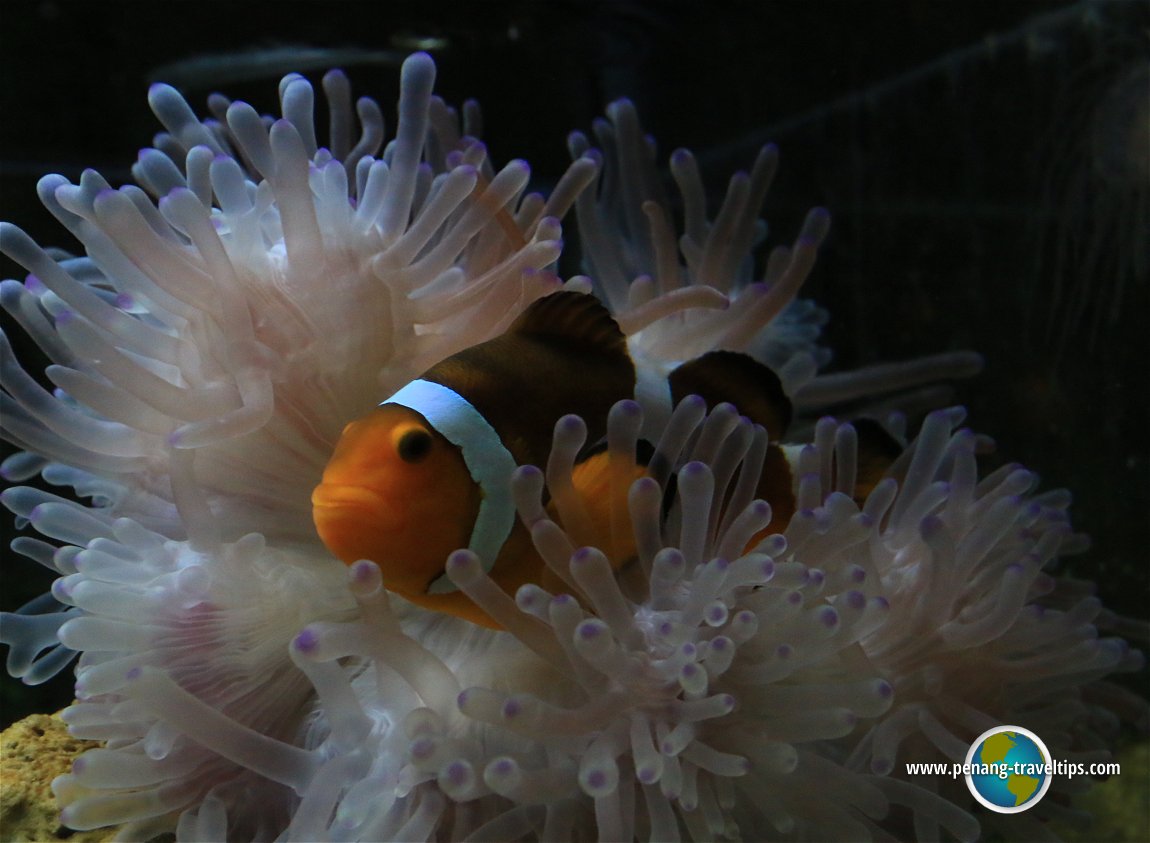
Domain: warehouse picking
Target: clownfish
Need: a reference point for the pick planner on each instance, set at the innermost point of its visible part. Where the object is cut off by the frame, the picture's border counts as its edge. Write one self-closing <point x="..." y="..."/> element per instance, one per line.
<point x="426" y="472"/>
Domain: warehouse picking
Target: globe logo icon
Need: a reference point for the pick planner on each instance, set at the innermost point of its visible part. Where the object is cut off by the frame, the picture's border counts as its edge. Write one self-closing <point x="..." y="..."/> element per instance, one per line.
<point x="1008" y="769"/>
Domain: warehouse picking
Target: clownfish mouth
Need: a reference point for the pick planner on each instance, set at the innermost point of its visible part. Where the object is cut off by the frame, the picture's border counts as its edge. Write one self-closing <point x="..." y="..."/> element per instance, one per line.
<point x="339" y="496"/>
<point x="350" y="519"/>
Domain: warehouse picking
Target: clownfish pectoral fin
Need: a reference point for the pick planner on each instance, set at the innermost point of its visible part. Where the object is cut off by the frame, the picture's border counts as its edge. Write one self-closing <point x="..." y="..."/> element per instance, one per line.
<point x="599" y="515"/>
<point x="644" y="452"/>
<point x="877" y="451"/>
<point x="578" y="321"/>
<point x="735" y="378"/>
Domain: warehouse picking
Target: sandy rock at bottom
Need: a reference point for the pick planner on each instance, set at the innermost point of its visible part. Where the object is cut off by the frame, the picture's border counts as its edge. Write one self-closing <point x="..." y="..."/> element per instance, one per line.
<point x="34" y="751"/>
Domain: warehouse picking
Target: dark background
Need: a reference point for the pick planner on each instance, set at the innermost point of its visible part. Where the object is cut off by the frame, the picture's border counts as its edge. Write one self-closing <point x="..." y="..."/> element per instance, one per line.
<point x="986" y="165"/>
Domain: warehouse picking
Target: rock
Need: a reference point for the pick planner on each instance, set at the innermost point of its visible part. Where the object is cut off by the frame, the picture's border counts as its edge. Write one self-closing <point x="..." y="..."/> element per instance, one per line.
<point x="32" y="753"/>
<point x="1118" y="808"/>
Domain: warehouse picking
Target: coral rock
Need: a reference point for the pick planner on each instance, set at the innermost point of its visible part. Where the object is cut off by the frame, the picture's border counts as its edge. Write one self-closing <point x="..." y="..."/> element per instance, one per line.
<point x="32" y="753"/>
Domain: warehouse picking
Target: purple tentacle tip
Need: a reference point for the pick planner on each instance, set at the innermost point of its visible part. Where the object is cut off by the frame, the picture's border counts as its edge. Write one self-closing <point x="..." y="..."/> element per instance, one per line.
<point x="504" y="767"/>
<point x="589" y="630"/>
<point x="531" y="471"/>
<point x="457" y="772"/>
<point x="306" y="641"/>
<point x="459" y="560"/>
<point x="60" y="590"/>
<point x="362" y="571"/>
<point x="582" y="556"/>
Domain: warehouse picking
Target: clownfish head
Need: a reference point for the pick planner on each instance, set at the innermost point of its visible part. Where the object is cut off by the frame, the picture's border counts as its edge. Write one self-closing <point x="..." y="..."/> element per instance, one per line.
<point x="398" y="493"/>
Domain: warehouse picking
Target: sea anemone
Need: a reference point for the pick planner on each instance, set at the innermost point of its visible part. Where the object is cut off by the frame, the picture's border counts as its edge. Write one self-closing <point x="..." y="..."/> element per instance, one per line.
<point x="646" y="270"/>
<point x="977" y="632"/>
<point x="618" y="709"/>
<point x="205" y="363"/>
<point x="258" y="291"/>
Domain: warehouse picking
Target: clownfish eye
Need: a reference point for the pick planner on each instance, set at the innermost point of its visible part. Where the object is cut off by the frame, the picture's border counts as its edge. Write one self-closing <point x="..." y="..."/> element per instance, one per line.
<point x="413" y="445"/>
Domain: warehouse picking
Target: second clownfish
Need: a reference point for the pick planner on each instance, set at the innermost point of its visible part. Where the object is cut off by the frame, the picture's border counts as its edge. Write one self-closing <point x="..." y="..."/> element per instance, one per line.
<point x="426" y="472"/>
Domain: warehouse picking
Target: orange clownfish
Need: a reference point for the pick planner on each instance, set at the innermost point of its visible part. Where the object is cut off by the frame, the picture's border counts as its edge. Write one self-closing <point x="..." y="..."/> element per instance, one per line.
<point x="426" y="472"/>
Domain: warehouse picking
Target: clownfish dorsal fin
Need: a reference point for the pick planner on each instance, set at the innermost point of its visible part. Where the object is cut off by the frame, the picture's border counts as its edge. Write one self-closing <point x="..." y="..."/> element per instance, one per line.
<point x="565" y="354"/>
<point x="729" y="376"/>
<point x="579" y="321"/>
